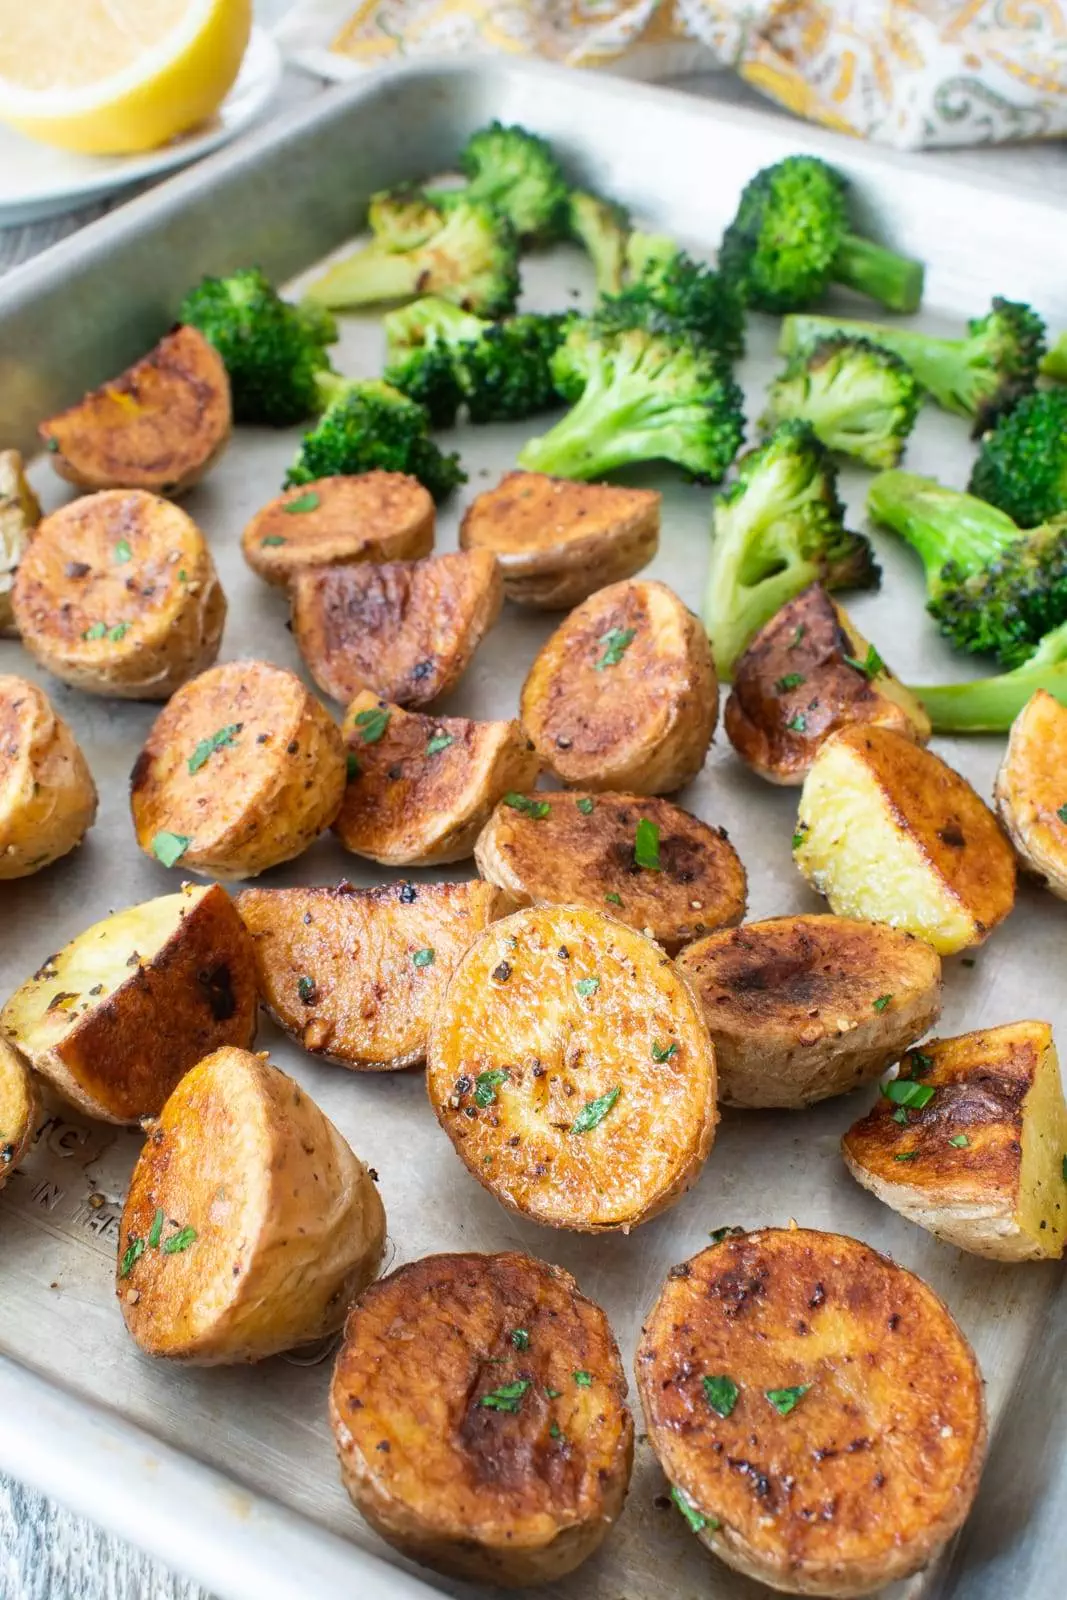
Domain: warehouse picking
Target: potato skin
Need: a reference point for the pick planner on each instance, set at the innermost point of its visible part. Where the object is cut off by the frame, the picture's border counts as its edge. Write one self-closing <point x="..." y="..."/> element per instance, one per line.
<point x="1030" y="792"/>
<point x="20" y="1110"/>
<point x="20" y="512"/>
<point x="370" y="516"/>
<point x="804" y="1007"/>
<point x="47" y="795"/>
<point x="470" y="1490"/>
<point x="877" y="1465"/>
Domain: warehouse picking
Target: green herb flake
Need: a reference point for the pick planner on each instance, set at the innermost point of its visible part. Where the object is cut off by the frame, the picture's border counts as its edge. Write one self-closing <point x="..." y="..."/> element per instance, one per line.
<point x="881" y="1002"/>
<point x="486" y="1085"/>
<point x="797" y="637"/>
<point x="616" y="642"/>
<point x="507" y="1398"/>
<point x="696" y="1519"/>
<point x="871" y="665"/>
<point x="919" y="1063"/>
<point x="423" y="958"/>
<point x="122" y="553"/>
<point x="520" y="1338"/>
<point x="664" y="1052"/>
<point x="181" y="576"/>
<point x="555" y="1431"/>
<point x="135" y="1249"/>
<point x="646" y="845"/>
<point x="785" y="1400"/>
<point x="717" y="1235"/>
<point x="798" y="724"/>
<point x="207" y="747"/>
<point x="586" y="805"/>
<point x="587" y="986"/>
<point x="156" y="1231"/>
<point x="352" y="765"/>
<point x="537" y="809"/>
<point x="96" y="630"/>
<point x="798" y="840"/>
<point x="169" y="848"/>
<point x="721" y="1394"/>
<point x="595" y="1111"/>
<point x="179" y="1241"/>
<point x="906" y="1155"/>
<point x="613" y="899"/>
<point x="272" y="541"/>
<point x="959" y="1141"/>
<point x="553" y="1394"/>
<point x="901" y="1116"/>
<point x="52" y="445"/>
<point x="906" y="1092"/>
<point x="1062" y="813"/>
<point x="792" y="680"/>
<point x="119" y="631"/>
<point x="303" y="502"/>
<point x="305" y="988"/>
<point x="439" y="742"/>
<point x="372" y="723"/>
<point x="584" y="1380"/>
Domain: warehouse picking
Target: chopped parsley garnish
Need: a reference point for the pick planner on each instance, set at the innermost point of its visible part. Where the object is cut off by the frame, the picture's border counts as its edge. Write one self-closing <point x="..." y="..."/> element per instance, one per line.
<point x="372" y="723"/>
<point x="785" y="1400"/>
<point x="1062" y="813"/>
<point x="646" y="845"/>
<point x="906" y="1092"/>
<point x="881" y="1002"/>
<point x="423" y="958"/>
<point x="352" y="765"/>
<point x="594" y="1111"/>
<point x="439" y="742"/>
<point x="135" y="1249"/>
<point x="613" y="899"/>
<point x="272" y="541"/>
<point x="555" y="1431"/>
<point x="795" y="640"/>
<point x="616" y="642"/>
<point x="696" y="1519"/>
<point x="520" y="1339"/>
<point x="584" y="1380"/>
<point x="156" y="1231"/>
<point x="507" y="1397"/>
<point x="305" y="988"/>
<point x="553" y="1394"/>
<point x="919" y="1063"/>
<point x="122" y="553"/>
<point x="798" y="724"/>
<point x="170" y="847"/>
<point x="721" y="1394"/>
<point x="960" y="1141"/>
<point x="96" y="631"/>
<point x="587" y="986"/>
<point x="179" y="1241"/>
<point x="486" y="1085"/>
<point x="717" y="1235"/>
<point x="207" y="747"/>
<point x="585" y="805"/>
<point x="119" y="631"/>
<point x="901" y="1116"/>
<point x="664" y="1052"/>
<point x="871" y="665"/>
<point x="906" y="1155"/>
<point x="303" y="502"/>
<point x="792" y="680"/>
<point x="537" y="809"/>
<point x="798" y="840"/>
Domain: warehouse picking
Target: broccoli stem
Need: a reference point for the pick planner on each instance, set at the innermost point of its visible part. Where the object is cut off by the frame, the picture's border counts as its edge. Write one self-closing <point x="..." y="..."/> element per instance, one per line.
<point x="939" y="364"/>
<point x="366" y="278"/>
<point x="941" y="525"/>
<point x="990" y="705"/>
<point x="895" y="280"/>
<point x="604" y="430"/>
<point x="1054" y="365"/>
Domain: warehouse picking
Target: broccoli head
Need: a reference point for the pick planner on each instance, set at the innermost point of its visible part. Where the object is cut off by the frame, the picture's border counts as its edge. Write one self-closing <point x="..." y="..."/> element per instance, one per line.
<point x="514" y="172"/>
<point x="991" y="705"/>
<point x="862" y="401"/>
<point x="402" y="218"/>
<point x="602" y="228"/>
<point x="369" y="426"/>
<point x="420" y="342"/>
<point x="1022" y="463"/>
<point x="665" y="285"/>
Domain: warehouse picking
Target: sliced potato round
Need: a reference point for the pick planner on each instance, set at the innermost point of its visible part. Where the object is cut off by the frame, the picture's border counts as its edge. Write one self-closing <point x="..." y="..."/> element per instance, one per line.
<point x="800" y="1008"/>
<point x="569" y="1065"/>
<point x="20" y="1110"/>
<point x="479" y="1410"/>
<point x="20" y="512"/>
<point x="1031" y="791"/>
<point x="624" y="694"/>
<point x="243" y="769"/>
<point x="372" y="516"/>
<point x="47" y="794"/>
<point x="117" y="594"/>
<point x="815" y="1407"/>
<point x="250" y="1225"/>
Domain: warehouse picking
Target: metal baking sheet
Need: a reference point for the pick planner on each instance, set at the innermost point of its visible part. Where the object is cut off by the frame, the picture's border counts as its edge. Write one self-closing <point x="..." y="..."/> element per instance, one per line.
<point x="230" y="1474"/>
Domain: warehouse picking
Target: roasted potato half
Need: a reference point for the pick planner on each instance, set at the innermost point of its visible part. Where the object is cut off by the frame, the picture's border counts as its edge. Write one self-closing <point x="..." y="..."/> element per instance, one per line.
<point x="970" y="1142"/>
<point x="372" y="516"/>
<point x="250" y="1226"/>
<point x="159" y="425"/>
<point x="20" y="1109"/>
<point x="816" y="1409"/>
<point x="888" y="832"/>
<point x="642" y="860"/>
<point x="356" y="974"/>
<point x="20" y="512"/>
<point x="405" y="629"/>
<point x="570" y="1067"/>
<point x="558" y="541"/>
<point x="800" y="1008"/>
<point x="243" y="769"/>
<point x="1031" y="790"/>
<point x="624" y="693"/>
<point x="47" y="794"/>
<point x="479" y="1411"/>
<point x="117" y="594"/>
<point x="806" y="673"/>
<point x="420" y="789"/>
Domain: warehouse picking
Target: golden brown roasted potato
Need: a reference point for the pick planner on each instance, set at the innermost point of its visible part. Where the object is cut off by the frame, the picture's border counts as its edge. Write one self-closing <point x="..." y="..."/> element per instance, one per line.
<point x="479" y="1411"/>
<point x="1031" y="790"/>
<point x="624" y="694"/>
<point x="421" y="788"/>
<point x="806" y="673"/>
<point x="887" y="831"/>
<point x="583" y="849"/>
<point x="20" y="1108"/>
<point x="356" y="974"/>
<point x="159" y="425"/>
<point x="122" y="1011"/>
<point x="20" y="512"/>
<point x="117" y="594"/>
<point x="970" y="1142"/>
<point x="816" y="1409"/>
<point x="570" y="1067"/>
<point x="47" y="793"/>
<point x="243" y="769"/>
<point x="558" y="541"/>
<point x="250" y="1225"/>
<point x="373" y="516"/>
<point x="800" y="1008"/>
<point x="405" y="629"/>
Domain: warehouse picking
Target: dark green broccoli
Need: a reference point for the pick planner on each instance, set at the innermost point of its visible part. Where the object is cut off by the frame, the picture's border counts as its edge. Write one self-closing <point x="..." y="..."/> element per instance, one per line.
<point x="991" y="705"/>
<point x="790" y="240"/>
<point x="369" y="426"/>
<point x="663" y="283"/>
<point x="1022" y="463"/>
<point x="778" y="527"/>
<point x="862" y="401"/>
<point x="515" y="172"/>
<point x="420" y="339"/>
<point x="602" y="228"/>
<point x="1054" y="365"/>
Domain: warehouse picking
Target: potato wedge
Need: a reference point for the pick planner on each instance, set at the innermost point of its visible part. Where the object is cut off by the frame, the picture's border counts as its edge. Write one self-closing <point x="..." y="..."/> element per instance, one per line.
<point x="20" y="512"/>
<point x="20" y="1110"/>
<point x="356" y="974"/>
<point x="159" y="425"/>
<point x="972" y="1144"/>
<point x="1031" y="790"/>
<point x="624" y="693"/>
<point x="570" y="1067"/>
<point x="47" y="794"/>
<point x="580" y="849"/>
<point x="405" y="629"/>
<point x="800" y="1008"/>
<point x="116" y="1018"/>
<point x="888" y="832"/>
<point x="558" y="541"/>
<point x="815" y="1407"/>
<point x="243" y="769"/>
<point x="372" y="516"/>
<point x="464" y="1434"/>
<point x="806" y="673"/>
<point x="250" y="1225"/>
<point x="420" y="789"/>
<point x="117" y="594"/>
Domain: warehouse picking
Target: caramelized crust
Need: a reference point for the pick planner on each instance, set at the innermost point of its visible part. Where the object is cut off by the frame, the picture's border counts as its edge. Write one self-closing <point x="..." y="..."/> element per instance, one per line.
<point x="374" y="516"/>
<point x="1031" y="790"/>
<point x="47" y="795"/>
<point x="20" y="1110"/>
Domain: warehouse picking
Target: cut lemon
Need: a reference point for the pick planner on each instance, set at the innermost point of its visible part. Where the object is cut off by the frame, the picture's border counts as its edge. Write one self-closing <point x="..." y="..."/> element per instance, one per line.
<point x="108" y="77"/>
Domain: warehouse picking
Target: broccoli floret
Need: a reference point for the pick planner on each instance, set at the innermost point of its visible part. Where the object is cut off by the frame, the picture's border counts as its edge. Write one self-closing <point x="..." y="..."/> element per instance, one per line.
<point x="420" y="342"/>
<point x="602" y="228"/>
<point x="515" y="172"/>
<point x="402" y="218"/>
<point x="990" y="705"/>
<point x="861" y="401"/>
<point x="779" y="527"/>
<point x="1054" y="364"/>
<point x="1022" y="464"/>
<point x="272" y="350"/>
<point x="664" y="283"/>
<point x="369" y="426"/>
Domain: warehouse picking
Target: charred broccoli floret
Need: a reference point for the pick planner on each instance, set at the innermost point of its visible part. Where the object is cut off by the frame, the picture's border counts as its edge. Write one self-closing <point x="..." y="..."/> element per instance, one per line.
<point x="402" y="218"/>
<point x="602" y="228"/>
<point x="862" y="401"/>
<point x="1022" y="464"/>
<point x="1054" y="364"/>
<point x="369" y="426"/>
<point x="991" y="705"/>
<point x="515" y="172"/>
<point x="665" y="285"/>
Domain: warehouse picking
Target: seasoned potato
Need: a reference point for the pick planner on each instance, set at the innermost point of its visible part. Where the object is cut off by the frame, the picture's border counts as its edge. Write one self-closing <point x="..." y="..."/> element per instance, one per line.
<point x="356" y="974"/>
<point x="479" y="1411"/>
<point x="624" y="694"/>
<point x="20" y="512"/>
<point x="888" y="832"/>
<point x="250" y="1225"/>
<point x="970" y="1142"/>
<point x="583" y="849"/>
<point x="816" y="1409"/>
<point x="1031" y="790"/>
<point x="569" y="1065"/>
<point x="47" y="793"/>
<point x="159" y="425"/>
<point x="558" y="541"/>
<point x="243" y="769"/>
<point x="806" y="673"/>
<point x="20" y="1109"/>
<point x="405" y="629"/>
<point x="421" y="788"/>
<point x="122" y="1011"/>
<point x="373" y="516"/>
<point x="117" y="594"/>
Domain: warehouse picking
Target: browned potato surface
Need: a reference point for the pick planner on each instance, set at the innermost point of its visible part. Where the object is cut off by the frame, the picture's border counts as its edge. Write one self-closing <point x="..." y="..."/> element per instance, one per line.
<point x="1031" y="790"/>
<point x="373" y="516"/>
<point x="243" y="769"/>
<point x="20" y="1108"/>
<point x="20" y="512"/>
<point x="47" y="794"/>
<point x="405" y="629"/>
<point x="815" y="1407"/>
<point x="479" y="1411"/>
<point x="250" y="1225"/>
<point x="624" y="693"/>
